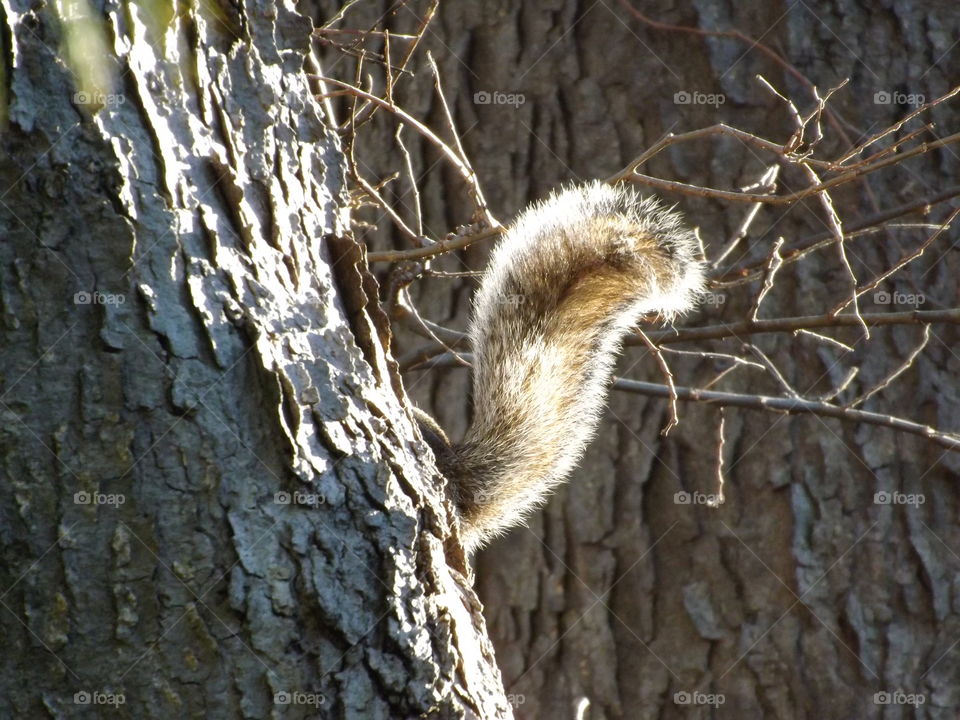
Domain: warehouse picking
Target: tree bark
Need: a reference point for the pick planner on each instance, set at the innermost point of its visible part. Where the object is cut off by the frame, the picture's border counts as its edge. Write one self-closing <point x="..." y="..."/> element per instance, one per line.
<point x="801" y="596"/>
<point x="213" y="504"/>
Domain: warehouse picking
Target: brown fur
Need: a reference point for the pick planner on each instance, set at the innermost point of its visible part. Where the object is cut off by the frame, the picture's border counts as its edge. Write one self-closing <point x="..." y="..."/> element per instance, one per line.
<point x="563" y="286"/>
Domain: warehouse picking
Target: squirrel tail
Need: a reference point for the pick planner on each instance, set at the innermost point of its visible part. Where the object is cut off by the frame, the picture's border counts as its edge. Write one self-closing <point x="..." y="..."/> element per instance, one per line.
<point x="564" y="285"/>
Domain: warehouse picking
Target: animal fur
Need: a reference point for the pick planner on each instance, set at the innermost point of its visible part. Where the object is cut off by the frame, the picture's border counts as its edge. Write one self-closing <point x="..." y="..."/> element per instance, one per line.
<point x="563" y="286"/>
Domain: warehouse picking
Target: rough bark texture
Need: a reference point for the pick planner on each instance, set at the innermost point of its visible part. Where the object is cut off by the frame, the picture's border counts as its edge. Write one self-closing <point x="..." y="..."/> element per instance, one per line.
<point x="800" y="597"/>
<point x="211" y="503"/>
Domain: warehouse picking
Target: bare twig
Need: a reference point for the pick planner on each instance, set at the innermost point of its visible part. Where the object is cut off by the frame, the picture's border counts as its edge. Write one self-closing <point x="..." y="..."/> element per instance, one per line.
<point x="454" y="242"/>
<point x="743" y="328"/>
<point x="792" y="324"/>
<point x="897" y="125"/>
<point x="903" y="262"/>
<point x="735" y="359"/>
<point x="363" y="33"/>
<point x="721" y="442"/>
<point x="826" y="339"/>
<point x="665" y="369"/>
<point x="741" y="276"/>
<point x="412" y="319"/>
<point x="833" y="218"/>
<point x="902" y="368"/>
<point x="774" y="261"/>
<point x="719" y="376"/>
<point x="338" y="16"/>
<point x="447" y="336"/>
<point x="466" y="172"/>
<point x="767" y="183"/>
<point x="368" y="111"/>
<point x="672" y="139"/>
<point x="843" y="384"/>
<point x="474" y="186"/>
<point x="414" y="189"/>
<point x="685" y="188"/>
<point x="418" y="239"/>
<point x="772" y="369"/>
<point x="792" y="406"/>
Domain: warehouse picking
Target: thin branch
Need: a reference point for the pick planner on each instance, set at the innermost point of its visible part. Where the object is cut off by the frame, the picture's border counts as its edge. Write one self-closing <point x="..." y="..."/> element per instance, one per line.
<point x="826" y="339"/>
<point x="338" y="16"/>
<point x="730" y="278"/>
<point x="465" y="170"/>
<point x="361" y="33"/>
<point x="454" y="242"/>
<point x="414" y="189"/>
<point x="843" y="385"/>
<point x="826" y="201"/>
<point x="721" y="442"/>
<point x="903" y="262"/>
<point x="368" y="111"/>
<point x="719" y="376"/>
<point x="892" y="147"/>
<point x="902" y="368"/>
<point x="833" y="218"/>
<point x="413" y="320"/>
<point x="792" y="324"/>
<point x="789" y="406"/>
<point x="665" y="369"/>
<point x="672" y="139"/>
<point x="447" y="336"/>
<point x="897" y="125"/>
<point x="772" y="369"/>
<point x="743" y="328"/>
<point x="852" y="174"/>
<point x="792" y="406"/>
<point x="370" y="190"/>
<point x="774" y="262"/>
<point x="767" y="183"/>
<point x="741" y="276"/>
<point x="474" y="186"/>
<point x="735" y="359"/>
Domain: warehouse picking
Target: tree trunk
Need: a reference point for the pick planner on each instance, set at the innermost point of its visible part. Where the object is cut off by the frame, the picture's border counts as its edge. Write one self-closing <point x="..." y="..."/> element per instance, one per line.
<point x="212" y="502"/>
<point x="801" y="597"/>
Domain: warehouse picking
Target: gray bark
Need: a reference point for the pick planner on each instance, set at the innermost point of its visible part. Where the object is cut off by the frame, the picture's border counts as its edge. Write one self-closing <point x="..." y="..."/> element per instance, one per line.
<point x="212" y="502"/>
<point x="800" y="597"/>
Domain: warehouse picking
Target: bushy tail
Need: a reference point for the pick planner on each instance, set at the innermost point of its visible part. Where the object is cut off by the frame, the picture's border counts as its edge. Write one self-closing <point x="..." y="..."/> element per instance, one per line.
<point x="563" y="286"/>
